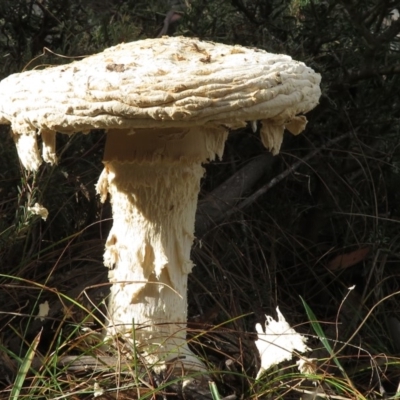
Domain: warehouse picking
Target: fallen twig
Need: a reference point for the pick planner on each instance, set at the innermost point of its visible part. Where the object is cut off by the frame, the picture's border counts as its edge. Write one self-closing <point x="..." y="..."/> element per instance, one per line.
<point x="285" y="173"/>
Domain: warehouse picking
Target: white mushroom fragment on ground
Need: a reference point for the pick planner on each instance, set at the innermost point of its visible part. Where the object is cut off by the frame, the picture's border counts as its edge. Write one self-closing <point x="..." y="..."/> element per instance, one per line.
<point x="167" y="105"/>
<point x="277" y="341"/>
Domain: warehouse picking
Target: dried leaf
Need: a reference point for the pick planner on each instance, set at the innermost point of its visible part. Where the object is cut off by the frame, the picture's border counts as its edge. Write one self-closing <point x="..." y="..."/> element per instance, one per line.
<point x="349" y="259"/>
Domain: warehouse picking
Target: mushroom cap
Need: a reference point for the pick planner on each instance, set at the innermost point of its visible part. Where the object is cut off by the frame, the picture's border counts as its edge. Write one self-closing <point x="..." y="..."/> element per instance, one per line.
<point x="166" y="82"/>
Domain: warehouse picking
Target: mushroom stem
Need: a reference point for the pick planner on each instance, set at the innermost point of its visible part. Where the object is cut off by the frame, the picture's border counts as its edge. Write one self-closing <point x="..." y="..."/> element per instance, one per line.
<point x="154" y="189"/>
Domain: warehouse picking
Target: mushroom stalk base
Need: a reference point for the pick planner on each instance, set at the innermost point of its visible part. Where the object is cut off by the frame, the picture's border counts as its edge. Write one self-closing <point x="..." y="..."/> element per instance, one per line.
<point x="148" y="253"/>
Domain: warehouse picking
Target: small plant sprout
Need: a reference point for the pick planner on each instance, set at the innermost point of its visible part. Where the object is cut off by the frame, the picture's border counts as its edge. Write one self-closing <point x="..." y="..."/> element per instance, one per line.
<point x="277" y="342"/>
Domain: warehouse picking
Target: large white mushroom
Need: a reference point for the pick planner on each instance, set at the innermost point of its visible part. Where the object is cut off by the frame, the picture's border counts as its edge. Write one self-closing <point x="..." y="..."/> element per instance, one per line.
<point x="167" y="105"/>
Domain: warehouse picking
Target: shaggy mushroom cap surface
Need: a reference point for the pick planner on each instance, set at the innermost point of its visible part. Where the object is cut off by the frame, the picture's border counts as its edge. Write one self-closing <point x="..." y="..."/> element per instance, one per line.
<point x="158" y="83"/>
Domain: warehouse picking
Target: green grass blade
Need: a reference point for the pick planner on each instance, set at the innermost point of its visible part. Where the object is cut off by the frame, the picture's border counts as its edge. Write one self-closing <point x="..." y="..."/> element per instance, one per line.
<point x="214" y="391"/>
<point x="321" y="335"/>
<point x="24" y="368"/>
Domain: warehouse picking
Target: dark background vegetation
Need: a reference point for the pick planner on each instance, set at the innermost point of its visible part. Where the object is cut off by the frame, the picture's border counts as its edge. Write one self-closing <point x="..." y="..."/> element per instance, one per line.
<point x="250" y="258"/>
